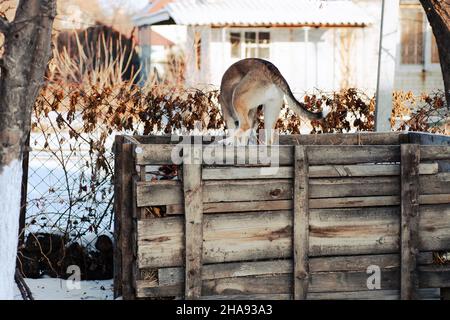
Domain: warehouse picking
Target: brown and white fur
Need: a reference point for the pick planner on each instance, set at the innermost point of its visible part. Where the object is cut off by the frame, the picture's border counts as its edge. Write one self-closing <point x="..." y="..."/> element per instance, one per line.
<point x="248" y="84"/>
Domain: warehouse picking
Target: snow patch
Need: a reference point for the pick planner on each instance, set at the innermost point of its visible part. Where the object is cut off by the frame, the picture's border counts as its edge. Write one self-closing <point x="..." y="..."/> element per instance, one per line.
<point x="57" y="289"/>
<point x="10" y="189"/>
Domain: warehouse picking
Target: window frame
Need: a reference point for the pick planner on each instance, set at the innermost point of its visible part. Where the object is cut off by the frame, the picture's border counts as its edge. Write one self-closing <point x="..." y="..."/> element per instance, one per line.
<point x="198" y="51"/>
<point x="244" y="46"/>
<point x="427" y="65"/>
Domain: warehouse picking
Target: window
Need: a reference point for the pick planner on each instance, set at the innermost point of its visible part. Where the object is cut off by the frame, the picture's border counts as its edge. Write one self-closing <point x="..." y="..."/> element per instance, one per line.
<point x="434" y="50"/>
<point x="198" y="50"/>
<point x="250" y="45"/>
<point x="418" y="45"/>
<point x="264" y="45"/>
<point x="254" y="44"/>
<point x="412" y="36"/>
<point x="235" y="40"/>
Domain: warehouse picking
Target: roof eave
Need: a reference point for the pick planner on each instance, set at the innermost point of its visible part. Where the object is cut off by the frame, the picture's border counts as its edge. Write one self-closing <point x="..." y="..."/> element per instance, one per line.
<point x="288" y="25"/>
<point x="156" y="18"/>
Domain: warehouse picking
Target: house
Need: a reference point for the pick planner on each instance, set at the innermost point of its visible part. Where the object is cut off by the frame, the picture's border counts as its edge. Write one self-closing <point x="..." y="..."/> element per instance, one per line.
<point x="153" y="51"/>
<point x="158" y="42"/>
<point x="73" y="16"/>
<point x="327" y="45"/>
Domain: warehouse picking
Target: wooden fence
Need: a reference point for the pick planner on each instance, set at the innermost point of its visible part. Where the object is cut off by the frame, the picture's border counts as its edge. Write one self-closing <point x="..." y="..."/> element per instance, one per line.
<point x="339" y="211"/>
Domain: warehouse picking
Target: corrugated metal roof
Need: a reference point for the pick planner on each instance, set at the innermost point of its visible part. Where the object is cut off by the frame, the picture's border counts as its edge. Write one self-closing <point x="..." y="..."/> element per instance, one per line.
<point x="262" y="13"/>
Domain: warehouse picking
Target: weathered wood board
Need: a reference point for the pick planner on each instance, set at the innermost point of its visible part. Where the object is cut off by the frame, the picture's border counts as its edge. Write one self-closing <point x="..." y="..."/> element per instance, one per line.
<point x="302" y="220"/>
<point x="267" y="235"/>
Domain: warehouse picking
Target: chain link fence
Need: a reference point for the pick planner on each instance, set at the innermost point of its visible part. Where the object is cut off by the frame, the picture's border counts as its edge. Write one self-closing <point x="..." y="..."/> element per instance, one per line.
<point x="70" y="173"/>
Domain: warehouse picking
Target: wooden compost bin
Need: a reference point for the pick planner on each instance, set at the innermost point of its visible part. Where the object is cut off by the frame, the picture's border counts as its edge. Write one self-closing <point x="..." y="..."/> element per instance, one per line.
<point x="339" y="207"/>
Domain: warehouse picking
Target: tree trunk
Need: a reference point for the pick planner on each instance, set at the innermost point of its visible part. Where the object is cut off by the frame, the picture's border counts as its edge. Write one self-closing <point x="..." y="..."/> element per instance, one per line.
<point x="438" y="13"/>
<point x="27" y="50"/>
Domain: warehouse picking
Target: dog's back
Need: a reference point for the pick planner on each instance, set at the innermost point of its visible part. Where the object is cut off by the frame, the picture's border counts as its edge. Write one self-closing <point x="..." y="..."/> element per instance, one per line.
<point x="263" y="72"/>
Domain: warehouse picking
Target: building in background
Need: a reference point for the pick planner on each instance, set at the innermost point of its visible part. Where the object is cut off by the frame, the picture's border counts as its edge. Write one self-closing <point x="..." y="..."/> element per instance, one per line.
<point x="160" y="42"/>
<point x="327" y="45"/>
<point x="74" y="16"/>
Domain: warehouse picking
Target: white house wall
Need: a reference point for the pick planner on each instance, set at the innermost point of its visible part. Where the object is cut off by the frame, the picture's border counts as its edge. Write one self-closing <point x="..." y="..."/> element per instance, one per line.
<point x="194" y="77"/>
<point x="317" y="64"/>
<point x="304" y="70"/>
<point x="417" y="79"/>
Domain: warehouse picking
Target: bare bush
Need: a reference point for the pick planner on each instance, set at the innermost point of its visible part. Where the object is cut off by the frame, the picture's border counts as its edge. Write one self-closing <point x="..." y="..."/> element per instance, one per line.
<point x="82" y="108"/>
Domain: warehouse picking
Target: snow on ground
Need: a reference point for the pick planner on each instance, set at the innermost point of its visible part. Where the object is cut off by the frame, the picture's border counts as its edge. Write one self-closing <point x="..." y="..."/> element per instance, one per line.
<point x="58" y="289"/>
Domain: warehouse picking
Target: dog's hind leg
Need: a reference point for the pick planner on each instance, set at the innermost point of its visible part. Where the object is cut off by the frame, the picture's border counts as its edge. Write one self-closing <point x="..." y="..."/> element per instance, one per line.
<point x="271" y="112"/>
<point x="248" y="95"/>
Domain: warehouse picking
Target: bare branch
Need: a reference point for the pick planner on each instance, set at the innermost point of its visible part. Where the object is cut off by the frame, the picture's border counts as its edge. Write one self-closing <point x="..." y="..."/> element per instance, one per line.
<point x="4" y="24"/>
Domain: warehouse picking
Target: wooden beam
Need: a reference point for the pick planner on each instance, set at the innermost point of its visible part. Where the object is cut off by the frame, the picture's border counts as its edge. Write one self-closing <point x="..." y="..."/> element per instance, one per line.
<point x="359" y="138"/>
<point x="117" y="149"/>
<point x="123" y="211"/>
<point x="301" y="224"/>
<point x="254" y="206"/>
<point x="410" y="157"/>
<point x="362" y="170"/>
<point x="193" y="208"/>
<point x="263" y="155"/>
<point x="268" y="235"/>
<point x="175" y="275"/>
<point x="321" y="282"/>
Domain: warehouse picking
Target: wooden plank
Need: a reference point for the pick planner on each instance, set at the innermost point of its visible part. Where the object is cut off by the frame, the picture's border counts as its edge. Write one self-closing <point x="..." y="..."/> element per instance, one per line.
<point x="243" y="173"/>
<point x="424" y="294"/>
<point x="350" y="202"/>
<point x="117" y="148"/>
<point x="354" y="231"/>
<point x="434" y="198"/>
<point x="426" y="138"/>
<point x="263" y="155"/>
<point x="434" y="153"/>
<point x="354" y="187"/>
<point x="227" y="237"/>
<point x="327" y="155"/>
<point x="434" y="276"/>
<point x="171" y="276"/>
<point x="193" y="208"/>
<point x="322" y="282"/>
<point x="168" y="192"/>
<point x="435" y="184"/>
<point x="354" y="202"/>
<point x="276" y="284"/>
<point x="366" y="170"/>
<point x="267" y="235"/>
<point x="124" y="170"/>
<point x="434" y="230"/>
<point x="175" y="275"/>
<point x="410" y="157"/>
<point x="301" y="224"/>
<point x="362" y="170"/>
<point x="359" y="138"/>
<point x="242" y="206"/>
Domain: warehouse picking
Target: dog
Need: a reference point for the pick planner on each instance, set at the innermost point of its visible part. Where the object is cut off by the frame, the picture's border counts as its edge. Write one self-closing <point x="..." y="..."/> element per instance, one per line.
<point x="248" y="84"/>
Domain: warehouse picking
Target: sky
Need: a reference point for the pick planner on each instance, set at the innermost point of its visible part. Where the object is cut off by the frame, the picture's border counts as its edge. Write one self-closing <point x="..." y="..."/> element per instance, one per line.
<point x="134" y="5"/>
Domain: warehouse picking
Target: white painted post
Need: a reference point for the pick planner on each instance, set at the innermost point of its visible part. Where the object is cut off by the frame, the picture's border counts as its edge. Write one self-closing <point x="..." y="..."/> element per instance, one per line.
<point x="386" y="63"/>
<point x="306" y="39"/>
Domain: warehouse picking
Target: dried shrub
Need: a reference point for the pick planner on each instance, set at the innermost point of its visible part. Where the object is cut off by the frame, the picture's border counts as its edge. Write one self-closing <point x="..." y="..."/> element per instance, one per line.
<point x="81" y="109"/>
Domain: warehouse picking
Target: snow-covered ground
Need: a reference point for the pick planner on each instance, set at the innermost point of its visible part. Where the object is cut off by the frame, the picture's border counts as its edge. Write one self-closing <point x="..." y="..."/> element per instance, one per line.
<point x="58" y="289"/>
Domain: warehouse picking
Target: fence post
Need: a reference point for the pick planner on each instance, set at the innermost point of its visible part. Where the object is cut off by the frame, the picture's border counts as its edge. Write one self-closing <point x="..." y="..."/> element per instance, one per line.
<point x="410" y="158"/>
<point x="193" y="208"/>
<point x="24" y="190"/>
<point x="301" y="224"/>
<point x="124" y="169"/>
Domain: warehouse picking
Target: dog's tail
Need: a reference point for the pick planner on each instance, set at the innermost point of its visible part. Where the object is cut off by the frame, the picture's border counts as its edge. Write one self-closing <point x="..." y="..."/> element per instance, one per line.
<point x="297" y="106"/>
<point x="300" y="108"/>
